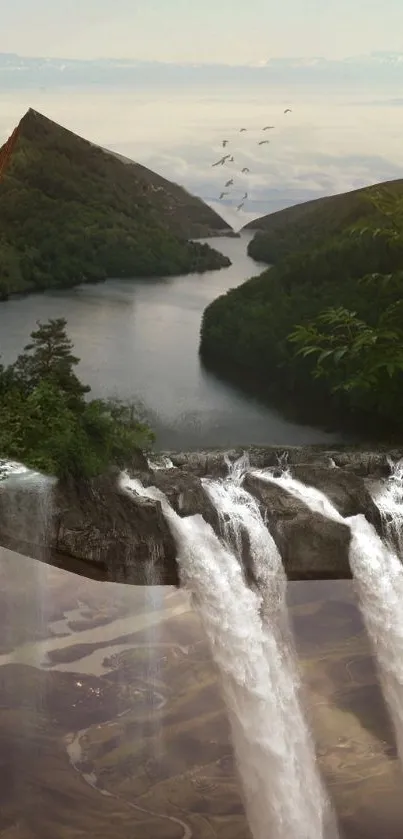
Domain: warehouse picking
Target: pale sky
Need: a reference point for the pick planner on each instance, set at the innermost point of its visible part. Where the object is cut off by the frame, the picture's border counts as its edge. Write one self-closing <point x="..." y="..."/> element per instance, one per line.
<point x="228" y="31"/>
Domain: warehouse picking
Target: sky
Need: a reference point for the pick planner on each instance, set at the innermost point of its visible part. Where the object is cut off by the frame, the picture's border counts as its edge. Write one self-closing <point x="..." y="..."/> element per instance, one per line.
<point x="328" y="144"/>
<point x="228" y="31"/>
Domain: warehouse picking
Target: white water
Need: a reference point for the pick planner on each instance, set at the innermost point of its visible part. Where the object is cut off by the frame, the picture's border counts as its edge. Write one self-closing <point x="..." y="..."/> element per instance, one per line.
<point x="162" y="462"/>
<point x="389" y="500"/>
<point x="379" y="577"/>
<point x="16" y="482"/>
<point x="283" y="794"/>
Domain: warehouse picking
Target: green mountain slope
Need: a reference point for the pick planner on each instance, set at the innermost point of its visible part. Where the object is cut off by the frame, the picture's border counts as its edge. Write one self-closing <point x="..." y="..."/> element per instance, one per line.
<point x="73" y="212"/>
<point x="322" y="330"/>
<point x="305" y="225"/>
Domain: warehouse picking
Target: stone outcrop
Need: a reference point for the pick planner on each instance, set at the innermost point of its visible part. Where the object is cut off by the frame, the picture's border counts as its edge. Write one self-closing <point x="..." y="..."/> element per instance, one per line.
<point x="99" y="530"/>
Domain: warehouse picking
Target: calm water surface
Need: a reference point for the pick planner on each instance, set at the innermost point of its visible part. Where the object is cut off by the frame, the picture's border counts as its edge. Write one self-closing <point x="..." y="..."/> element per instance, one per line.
<point x="140" y="338"/>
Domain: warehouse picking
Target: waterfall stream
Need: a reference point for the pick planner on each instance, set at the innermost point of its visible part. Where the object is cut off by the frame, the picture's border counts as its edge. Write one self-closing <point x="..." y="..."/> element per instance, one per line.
<point x="283" y="793"/>
<point x="378" y="574"/>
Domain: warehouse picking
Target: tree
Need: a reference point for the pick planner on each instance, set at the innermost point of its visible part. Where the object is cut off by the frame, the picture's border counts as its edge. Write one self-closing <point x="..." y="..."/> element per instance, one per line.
<point x="45" y="421"/>
<point x="360" y="358"/>
<point x="49" y="357"/>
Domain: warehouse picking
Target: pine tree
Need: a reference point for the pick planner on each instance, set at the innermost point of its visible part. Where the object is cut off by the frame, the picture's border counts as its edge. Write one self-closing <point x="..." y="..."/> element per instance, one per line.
<point x="49" y="357"/>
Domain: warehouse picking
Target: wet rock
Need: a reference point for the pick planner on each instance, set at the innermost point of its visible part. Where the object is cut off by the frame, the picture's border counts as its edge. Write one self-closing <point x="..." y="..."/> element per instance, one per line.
<point x="346" y="490"/>
<point x="311" y="545"/>
<point x="97" y="529"/>
<point x="185" y="493"/>
<point x="94" y="528"/>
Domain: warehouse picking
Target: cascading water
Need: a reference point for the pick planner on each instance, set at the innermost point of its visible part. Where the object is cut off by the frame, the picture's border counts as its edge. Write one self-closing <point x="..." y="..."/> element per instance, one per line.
<point x="21" y="485"/>
<point x="389" y="500"/>
<point x="284" y="797"/>
<point x="300" y="787"/>
<point x="153" y="593"/>
<point x="162" y="462"/>
<point x="378" y="574"/>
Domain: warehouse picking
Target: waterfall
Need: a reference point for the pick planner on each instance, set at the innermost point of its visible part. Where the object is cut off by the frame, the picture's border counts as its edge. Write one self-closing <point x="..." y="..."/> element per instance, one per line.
<point x="283" y="793"/>
<point x="378" y="574"/>
<point x="160" y="462"/>
<point x="35" y="491"/>
<point x="389" y="500"/>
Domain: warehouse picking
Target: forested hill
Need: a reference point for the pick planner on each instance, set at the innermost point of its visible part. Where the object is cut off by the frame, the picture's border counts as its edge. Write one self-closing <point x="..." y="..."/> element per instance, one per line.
<point x="73" y="212"/>
<point x="306" y="225"/>
<point x="323" y="328"/>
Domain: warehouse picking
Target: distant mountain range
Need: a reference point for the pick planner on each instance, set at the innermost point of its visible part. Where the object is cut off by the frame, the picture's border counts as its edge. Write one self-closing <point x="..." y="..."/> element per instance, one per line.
<point x="30" y="72"/>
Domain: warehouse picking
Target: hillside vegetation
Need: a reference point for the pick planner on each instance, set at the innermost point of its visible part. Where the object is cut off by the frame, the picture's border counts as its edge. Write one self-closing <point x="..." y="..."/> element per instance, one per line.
<point x="46" y="422"/>
<point x="323" y="328"/>
<point x="73" y="212"/>
<point x="313" y="223"/>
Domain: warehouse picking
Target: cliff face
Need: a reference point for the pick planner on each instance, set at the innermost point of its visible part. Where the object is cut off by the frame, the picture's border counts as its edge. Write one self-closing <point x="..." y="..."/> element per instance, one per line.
<point x="71" y="211"/>
<point x="100" y="531"/>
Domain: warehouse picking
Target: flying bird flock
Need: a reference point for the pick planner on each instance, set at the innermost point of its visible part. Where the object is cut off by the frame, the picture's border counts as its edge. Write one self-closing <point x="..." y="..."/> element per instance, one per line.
<point x="229" y="158"/>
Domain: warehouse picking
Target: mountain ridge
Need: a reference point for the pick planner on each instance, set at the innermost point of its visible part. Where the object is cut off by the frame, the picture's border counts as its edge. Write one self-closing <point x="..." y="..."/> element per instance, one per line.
<point x="285" y="231"/>
<point x="108" y="217"/>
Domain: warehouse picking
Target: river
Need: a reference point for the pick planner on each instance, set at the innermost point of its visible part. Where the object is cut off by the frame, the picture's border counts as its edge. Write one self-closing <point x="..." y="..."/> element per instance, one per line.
<point x="140" y="338"/>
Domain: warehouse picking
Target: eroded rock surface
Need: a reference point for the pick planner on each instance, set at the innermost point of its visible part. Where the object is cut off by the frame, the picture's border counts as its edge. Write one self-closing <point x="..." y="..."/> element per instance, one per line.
<point x="100" y="530"/>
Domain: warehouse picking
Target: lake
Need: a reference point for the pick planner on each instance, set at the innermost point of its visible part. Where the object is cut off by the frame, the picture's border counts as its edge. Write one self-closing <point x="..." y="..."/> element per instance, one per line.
<point x="138" y="339"/>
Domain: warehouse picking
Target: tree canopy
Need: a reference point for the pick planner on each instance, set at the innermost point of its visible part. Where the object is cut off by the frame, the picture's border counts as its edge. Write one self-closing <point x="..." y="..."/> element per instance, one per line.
<point x="71" y="212"/>
<point x="323" y="328"/>
<point x="45" y="420"/>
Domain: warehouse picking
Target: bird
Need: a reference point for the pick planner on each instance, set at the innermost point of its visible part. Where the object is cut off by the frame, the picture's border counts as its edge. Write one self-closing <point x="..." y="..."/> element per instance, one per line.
<point x="262" y="142"/>
<point x="267" y="127"/>
<point x="230" y="159"/>
<point x="239" y="207"/>
<point x="242" y="129"/>
<point x="288" y="111"/>
<point x="244" y="196"/>
<point x="230" y="182"/>
<point x="225" y="143"/>
<point x="221" y="161"/>
<point x="222" y="195"/>
<point x="245" y="169"/>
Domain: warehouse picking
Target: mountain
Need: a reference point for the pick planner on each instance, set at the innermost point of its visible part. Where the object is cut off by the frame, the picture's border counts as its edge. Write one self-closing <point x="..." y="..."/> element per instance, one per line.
<point x="304" y="225"/>
<point x="321" y="330"/>
<point x="72" y="212"/>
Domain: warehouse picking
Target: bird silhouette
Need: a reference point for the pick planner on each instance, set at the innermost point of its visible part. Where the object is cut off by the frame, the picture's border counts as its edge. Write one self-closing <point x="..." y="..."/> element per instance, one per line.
<point x="222" y="160"/>
<point x="222" y="195"/>
<point x="245" y="169"/>
<point x="244" y="196"/>
<point x="225" y="143"/>
<point x="230" y="159"/>
<point x="267" y="127"/>
<point x="239" y="207"/>
<point x="230" y="182"/>
<point x="288" y="111"/>
<point x="242" y="129"/>
<point x="263" y="142"/>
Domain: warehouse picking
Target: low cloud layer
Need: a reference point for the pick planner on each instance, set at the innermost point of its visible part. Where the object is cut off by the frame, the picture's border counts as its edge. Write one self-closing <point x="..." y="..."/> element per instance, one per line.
<point x="329" y="143"/>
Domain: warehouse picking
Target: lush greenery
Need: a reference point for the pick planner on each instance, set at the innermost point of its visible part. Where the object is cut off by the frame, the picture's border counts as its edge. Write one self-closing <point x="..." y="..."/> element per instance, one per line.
<point x="308" y="225"/>
<point x="70" y="212"/>
<point x="324" y="326"/>
<point x="45" y="420"/>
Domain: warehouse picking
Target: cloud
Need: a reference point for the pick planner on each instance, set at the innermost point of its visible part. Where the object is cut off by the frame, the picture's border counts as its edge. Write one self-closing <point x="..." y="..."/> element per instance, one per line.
<point x="327" y="145"/>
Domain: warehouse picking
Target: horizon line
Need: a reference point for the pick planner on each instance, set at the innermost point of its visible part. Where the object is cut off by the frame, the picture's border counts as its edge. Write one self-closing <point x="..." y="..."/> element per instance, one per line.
<point x="256" y="65"/>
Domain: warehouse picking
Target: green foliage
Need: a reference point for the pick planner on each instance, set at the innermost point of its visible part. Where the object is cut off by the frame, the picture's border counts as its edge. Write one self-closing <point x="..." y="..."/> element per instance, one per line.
<point x="71" y="213"/>
<point x="306" y="226"/>
<point x="324" y="327"/>
<point x="45" y="421"/>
